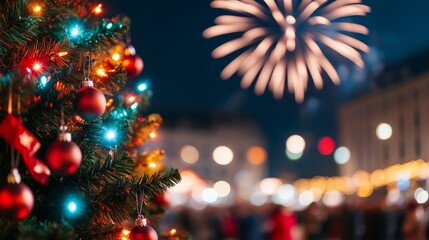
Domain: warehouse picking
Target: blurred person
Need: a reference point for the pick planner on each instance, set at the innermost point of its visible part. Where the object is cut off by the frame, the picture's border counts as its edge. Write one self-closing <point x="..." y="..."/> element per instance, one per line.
<point x="281" y="223"/>
<point x="313" y="218"/>
<point x="229" y="224"/>
<point x="249" y="224"/>
<point x="413" y="227"/>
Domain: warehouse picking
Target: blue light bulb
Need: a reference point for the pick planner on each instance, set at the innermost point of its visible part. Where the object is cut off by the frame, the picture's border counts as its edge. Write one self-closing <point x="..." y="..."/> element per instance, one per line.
<point x="75" y="31"/>
<point x="109" y="25"/>
<point x="134" y="106"/>
<point x="142" y="86"/>
<point x="43" y="81"/>
<point x="110" y="135"/>
<point x="72" y="207"/>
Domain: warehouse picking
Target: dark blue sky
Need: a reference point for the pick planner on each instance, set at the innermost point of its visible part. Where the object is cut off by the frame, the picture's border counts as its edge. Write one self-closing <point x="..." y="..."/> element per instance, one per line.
<point x="185" y="79"/>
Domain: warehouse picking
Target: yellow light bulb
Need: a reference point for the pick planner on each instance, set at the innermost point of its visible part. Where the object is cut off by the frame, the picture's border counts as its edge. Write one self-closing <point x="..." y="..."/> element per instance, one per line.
<point x="116" y="57"/>
<point x="37" y="9"/>
<point x="101" y="72"/>
<point x="126" y="232"/>
<point x="152" y="165"/>
<point x="98" y="9"/>
<point x="152" y="134"/>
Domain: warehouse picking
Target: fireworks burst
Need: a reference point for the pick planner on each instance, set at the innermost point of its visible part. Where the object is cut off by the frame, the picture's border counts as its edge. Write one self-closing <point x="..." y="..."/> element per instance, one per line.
<point x="287" y="39"/>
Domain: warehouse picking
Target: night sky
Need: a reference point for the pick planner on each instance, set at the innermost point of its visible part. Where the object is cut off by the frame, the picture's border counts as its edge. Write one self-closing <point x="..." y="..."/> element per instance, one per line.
<point x="185" y="79"/>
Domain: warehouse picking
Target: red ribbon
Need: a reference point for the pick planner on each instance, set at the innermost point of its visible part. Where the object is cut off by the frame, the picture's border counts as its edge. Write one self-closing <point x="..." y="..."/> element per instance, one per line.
<point x="16" y="135"/>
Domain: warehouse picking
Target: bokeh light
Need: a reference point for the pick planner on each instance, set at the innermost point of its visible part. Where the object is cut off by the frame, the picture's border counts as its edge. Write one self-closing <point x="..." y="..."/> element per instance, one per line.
<point x="258" y="199"/>
<point x="110" y="135"/>
<point x="222" y="188"/>
<point x="342" y="155"/>
<point x="326" y="145"/>
<point x="295" y="144"/>
<point x="75" y="31"/>
<point x="306" y="198"/>
<point x="285" y="195"/>
<point x="293" y="156"/>
<point x="256" y="155"/>
<point x="189" y="154"/>
<point x="223" y="155"/>
<point x="384" y="131"/>
<point x="332" y="198"/>
<point x="142" y="87"/>
<point x="269" y="186"/>
<point x="209" y="195"/>
<point x="421" y="195"/>
<point x="72" y="207"/>
<point x="365" y="191"/>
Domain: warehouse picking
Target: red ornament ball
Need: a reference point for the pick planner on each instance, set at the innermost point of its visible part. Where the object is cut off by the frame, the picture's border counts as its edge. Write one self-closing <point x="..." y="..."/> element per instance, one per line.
<point x="143" y="233"/>
<point x="16" y="201"/>
<point x="63" y="158"/>
<point x="90" y="103"/>
<point x="162" y="200"/>
<point x="133" y="65"/>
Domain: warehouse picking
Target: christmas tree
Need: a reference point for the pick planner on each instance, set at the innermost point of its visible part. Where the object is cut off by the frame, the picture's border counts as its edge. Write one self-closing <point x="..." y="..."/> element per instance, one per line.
<point x="70" y="124"/>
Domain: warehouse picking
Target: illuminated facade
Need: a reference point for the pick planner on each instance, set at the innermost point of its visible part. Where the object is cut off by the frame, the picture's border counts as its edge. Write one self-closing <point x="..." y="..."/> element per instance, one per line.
<point x="207" y="144"/>
<point x="405" y="108"/>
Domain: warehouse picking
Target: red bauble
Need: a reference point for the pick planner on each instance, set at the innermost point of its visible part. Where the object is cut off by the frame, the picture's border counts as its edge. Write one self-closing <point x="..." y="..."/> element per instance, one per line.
<point x="133" y="65"/>
<point x="143" y="233"/>
<point x="162" y="200"/>
<point x="90" y="103"/>
<point x="16" y="201"/>
<point x="63" y="157"/>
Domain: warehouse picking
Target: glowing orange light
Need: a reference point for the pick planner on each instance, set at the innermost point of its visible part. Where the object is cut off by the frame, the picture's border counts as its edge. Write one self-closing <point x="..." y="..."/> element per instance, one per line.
<point x="109" y="102"/>
<point x="61" y="54"/>
<point x="126" y="232"/>
<point x="77" y="118"/>
<point x="37" y="66"/>
<point x="256" y="155"/>
<point x="152" y="165"/>
<point x="116" y="56"/>
<point x="101" y="72"/>
<point x="37" y="8"/>
<point x="131" y="99"/>
<point x="173" y="232"/>
<point x="124" y="238"/>
<point x="98" y="9"/>
<point x="152" y="135"/>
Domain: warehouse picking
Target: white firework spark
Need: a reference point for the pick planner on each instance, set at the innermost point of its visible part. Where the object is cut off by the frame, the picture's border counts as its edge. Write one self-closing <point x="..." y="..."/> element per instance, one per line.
<point x="280" y="41"/>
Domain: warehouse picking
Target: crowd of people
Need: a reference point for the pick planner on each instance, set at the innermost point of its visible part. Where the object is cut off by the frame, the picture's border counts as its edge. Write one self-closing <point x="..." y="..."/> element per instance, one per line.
<point x="353" y="220"/>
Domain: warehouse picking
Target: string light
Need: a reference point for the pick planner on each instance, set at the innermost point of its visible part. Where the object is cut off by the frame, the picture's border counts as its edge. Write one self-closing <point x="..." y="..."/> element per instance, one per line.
<point x="75" y="31"/>
<point x="110" y="135"/>
<point x="43" y="81"/>
<point x="62" y="54"/>
<point x="116" y="56"/>
<point x="72" y="207"/>
<point x="152" y="165"/>
<point x="37" y="9"/>
<point x="131" y="99"/>
<point x="152" y="135"/>
<point x="126" y="232"/>
<point x="109" y="25"/>
<point x="142" y="87"/>
<point x="173" y="232"/>
<point x="101" y="72"/>
<point x="37" y="66"/>
<point x="98" y="9"/>
<point x="134" y="106"/>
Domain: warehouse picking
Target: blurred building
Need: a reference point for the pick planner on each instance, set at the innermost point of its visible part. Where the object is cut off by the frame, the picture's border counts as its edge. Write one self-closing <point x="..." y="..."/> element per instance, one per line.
<point x="401" y="104"/>
<point x="217" y="148"/>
